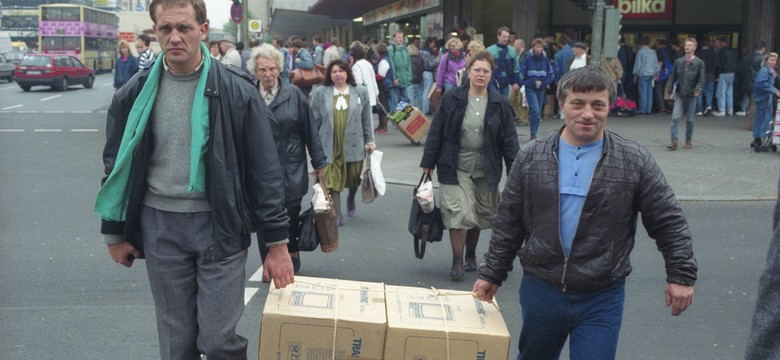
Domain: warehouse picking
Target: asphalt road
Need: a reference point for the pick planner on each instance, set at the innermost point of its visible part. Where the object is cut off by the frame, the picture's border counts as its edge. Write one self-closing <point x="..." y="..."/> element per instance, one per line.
<point x="61" y="296"/>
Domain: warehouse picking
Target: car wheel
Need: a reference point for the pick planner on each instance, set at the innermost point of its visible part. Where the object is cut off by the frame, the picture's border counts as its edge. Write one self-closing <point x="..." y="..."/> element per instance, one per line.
<point x="11" y="78"/>
<point x="25" y="87"/>
<point x="63" y="84"/>
<point x="90" y="81"/>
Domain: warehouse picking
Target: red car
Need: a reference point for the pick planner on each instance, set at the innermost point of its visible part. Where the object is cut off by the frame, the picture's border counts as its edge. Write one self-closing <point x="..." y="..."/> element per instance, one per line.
<point x="57" y="71"/>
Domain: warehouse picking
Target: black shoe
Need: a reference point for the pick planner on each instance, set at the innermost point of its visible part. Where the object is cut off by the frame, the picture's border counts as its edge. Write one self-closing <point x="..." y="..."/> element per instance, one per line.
<point x="456" y="273"/>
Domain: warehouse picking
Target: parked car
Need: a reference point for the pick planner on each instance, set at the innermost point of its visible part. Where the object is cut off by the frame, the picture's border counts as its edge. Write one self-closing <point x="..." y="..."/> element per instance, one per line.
<point x="6" y="69"/>
<point x="57" y="71"/>
<point x="14" y="56"/>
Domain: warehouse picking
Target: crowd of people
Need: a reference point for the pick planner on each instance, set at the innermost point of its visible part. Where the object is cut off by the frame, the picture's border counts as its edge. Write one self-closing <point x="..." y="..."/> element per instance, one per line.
<point x="209" y="142"/>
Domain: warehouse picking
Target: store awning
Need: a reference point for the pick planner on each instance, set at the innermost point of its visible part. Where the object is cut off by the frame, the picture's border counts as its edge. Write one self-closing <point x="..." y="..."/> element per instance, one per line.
<point x="346" y="9"/>
<point x="300" y="23"/>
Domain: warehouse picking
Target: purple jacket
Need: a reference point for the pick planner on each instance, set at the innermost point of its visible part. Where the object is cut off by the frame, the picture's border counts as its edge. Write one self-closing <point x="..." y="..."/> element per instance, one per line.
<point x="448" y="70"/>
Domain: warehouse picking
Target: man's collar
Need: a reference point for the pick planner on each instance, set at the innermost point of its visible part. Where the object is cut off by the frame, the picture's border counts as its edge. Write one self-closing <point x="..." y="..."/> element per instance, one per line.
<point x="168" y="69"/>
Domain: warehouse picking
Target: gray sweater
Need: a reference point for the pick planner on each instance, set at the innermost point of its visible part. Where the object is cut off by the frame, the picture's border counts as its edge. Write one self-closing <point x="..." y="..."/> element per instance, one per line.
<point x="169" y="164"/>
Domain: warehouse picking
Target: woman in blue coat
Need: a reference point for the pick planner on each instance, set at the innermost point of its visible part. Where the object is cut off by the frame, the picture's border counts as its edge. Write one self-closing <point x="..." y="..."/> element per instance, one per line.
<point x="765" y="97"/>
<point x="126" y="65"/>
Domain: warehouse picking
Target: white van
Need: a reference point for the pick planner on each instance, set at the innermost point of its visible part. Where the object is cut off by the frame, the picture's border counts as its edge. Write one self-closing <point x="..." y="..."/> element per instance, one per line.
<point x="5" y="43"/>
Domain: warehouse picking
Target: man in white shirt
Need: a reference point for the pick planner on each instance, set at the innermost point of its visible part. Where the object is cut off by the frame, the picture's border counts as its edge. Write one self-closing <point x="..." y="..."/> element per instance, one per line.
<point x="228" y="47"/>
<point x="580" y="58"/>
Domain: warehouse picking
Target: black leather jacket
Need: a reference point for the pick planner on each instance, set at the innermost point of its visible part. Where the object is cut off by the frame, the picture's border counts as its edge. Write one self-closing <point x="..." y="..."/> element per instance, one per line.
<point x="244" y="180"/>
<point x="297" y="132"/>
<point x="626" y="181"/>
<point x="443" y="142"/>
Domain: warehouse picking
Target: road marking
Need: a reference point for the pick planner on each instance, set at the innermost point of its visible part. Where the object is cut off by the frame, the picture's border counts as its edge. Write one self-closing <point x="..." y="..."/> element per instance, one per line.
<point x="47" y="130"/>
<point x="51" y="97"/>
<point x="28" y="112"/>
<point x="83" y="130"/>
<point x="11" y="130"/>
<point x="81" y="112"/>
<point x="8" y="88"/>
<point x="55" y="112"/>
<point x="249" y="293"/>
<point x="12" y="107"/>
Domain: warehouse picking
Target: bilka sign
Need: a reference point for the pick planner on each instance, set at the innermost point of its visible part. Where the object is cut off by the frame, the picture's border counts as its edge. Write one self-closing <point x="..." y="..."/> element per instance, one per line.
<point x="645" y="9"/>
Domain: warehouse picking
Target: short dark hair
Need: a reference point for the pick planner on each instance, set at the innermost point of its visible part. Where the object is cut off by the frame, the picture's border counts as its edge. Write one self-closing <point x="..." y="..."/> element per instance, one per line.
<point x="464" y="37"/>
<point x="358" y="52"/>
<point x="199" y="5"/>
<point x="145" y="38"/>
<point x="645" y="40"/>
<point x="586" y="79"/>
<point x="502" y="29"/>
<point x="343" y="66"/>
<point x="483" y="55"/>
<point x="760" y="44"/>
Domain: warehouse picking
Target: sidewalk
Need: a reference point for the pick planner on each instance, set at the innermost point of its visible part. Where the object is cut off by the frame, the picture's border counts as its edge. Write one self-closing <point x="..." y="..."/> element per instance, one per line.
<point x="720" y="167"/>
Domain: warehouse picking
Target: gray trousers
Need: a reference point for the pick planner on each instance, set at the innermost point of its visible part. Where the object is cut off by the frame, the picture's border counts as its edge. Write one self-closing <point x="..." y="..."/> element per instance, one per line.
<point x="198" y="302"/>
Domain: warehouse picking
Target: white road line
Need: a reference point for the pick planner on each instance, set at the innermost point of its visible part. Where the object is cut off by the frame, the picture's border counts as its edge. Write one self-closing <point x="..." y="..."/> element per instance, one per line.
<point x="47" y="130"/>
<point x="8" y="88"/>
<point x="51" y="97"/>
<point x="81" y="112"/>
<point x="54" y="112"/>
<point x="12" y="107"/>
<point x="103" y="111"/>
<point x="83" y="130"/>
<point x="258" y="275"/>
<point x="11" y="130"/>
<point x="249" y="293"/>
<point x="28" y="112"/>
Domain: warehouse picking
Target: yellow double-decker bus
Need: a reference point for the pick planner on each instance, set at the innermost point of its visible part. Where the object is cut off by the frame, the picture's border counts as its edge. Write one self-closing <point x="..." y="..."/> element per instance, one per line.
<point x="87" y="33"/>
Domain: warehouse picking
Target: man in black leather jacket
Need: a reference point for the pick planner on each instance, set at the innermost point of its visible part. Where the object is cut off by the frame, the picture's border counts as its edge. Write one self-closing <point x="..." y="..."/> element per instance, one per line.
<point x="569" y="211"/>
<point x="193" y="236"/>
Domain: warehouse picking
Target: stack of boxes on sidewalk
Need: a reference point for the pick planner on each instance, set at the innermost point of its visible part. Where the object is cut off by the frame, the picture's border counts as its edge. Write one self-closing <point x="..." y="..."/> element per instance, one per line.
<point x="318" y="318"/>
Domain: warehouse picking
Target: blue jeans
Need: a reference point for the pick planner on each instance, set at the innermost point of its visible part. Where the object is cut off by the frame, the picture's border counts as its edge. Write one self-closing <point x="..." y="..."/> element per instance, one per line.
<point x="683" y="105"/>
<point x="645" y="94"/>
<point x="398" y="94"/>
<point x="416" y="96"/>
<point x="726" y="93"/>
<point x="590" y="320"/>
<point x="761" y="121"/>
<point x="704" y="100"/>
<point x="534" y="98"/>
<point x="426" y="87"/>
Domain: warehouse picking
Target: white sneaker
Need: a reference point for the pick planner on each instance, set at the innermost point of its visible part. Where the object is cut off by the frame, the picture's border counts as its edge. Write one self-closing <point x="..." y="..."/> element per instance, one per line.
<point x="699" y="113"/>
<point x="740" y="113"/>
<point x="718" y="113"/>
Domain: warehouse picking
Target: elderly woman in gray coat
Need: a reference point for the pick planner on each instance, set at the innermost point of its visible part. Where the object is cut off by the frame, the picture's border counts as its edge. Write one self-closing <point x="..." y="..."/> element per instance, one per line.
<point x="342" y="110"/>
<point x="297" y="132"/>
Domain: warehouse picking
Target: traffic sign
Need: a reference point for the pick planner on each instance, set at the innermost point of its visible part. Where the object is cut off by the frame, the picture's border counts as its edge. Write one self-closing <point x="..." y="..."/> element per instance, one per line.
<point x="255" y="26"/>
<point x="237" y="13"/>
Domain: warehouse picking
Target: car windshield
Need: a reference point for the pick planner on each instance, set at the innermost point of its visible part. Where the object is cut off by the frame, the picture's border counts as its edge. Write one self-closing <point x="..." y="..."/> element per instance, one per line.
<point x="32" y="60"/>
<point x="14" y="55"/>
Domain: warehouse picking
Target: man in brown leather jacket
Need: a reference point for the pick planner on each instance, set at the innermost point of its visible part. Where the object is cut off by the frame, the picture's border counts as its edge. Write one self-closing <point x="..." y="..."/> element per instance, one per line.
<point x="569" y="211"/>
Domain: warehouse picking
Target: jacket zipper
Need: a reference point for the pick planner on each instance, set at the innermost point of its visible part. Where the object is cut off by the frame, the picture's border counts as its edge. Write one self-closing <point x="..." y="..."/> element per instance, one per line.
<point x="560" y="240"/>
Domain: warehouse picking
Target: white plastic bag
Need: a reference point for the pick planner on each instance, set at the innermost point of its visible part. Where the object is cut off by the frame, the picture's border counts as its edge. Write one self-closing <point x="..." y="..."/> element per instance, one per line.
<point x="425" y="196"/>
<point x="376" y="171"/>
<point x="318" y="201"/>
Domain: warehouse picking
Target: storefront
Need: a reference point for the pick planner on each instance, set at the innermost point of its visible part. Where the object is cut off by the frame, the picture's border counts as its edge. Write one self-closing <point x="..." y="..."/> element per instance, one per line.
<point x="418" y="18"/>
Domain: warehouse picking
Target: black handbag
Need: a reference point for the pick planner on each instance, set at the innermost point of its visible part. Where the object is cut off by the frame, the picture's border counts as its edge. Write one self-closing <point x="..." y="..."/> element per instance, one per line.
<point x="308" y="240"/>
<point x="424" y="227"/>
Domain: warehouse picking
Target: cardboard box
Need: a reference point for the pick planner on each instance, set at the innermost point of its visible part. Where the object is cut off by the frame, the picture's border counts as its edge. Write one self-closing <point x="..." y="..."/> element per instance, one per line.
<point x="423" y="324"/>
<point x="410" y="121"/>
<point x="300" y="321"/>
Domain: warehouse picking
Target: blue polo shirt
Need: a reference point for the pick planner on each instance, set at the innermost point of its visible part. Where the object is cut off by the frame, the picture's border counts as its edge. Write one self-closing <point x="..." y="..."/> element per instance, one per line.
<point x="575" y="168"/>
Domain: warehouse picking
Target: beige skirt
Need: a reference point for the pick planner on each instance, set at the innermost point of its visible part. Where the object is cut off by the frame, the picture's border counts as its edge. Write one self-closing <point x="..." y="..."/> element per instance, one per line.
<point x="468" y="205"/>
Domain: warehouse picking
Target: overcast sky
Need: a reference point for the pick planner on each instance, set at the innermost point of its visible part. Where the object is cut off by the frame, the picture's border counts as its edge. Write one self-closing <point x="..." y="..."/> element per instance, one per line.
<point x="219" y="12"/>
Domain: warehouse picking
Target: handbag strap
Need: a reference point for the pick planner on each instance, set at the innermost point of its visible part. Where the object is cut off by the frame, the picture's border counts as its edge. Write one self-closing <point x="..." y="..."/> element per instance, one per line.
<point x="321" y="181"/>
<point x="419" y="248"/>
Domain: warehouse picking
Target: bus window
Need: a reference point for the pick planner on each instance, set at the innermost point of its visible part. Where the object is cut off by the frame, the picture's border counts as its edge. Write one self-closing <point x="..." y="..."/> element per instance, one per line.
<point x="50" y="43"/>
<point x="71" y="14"/>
